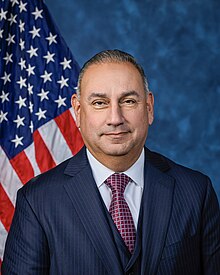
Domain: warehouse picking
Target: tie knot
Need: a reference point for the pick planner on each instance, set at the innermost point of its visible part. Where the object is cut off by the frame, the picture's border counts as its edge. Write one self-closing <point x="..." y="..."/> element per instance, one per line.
<point x="117" y="182"/>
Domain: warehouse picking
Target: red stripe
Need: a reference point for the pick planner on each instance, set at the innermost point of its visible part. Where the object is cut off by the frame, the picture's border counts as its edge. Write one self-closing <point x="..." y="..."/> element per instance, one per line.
<point x="43" y="157"/>
<point x="68" y="128"/>
<point x="23" y="167"/>
<point x="6" y="209"/>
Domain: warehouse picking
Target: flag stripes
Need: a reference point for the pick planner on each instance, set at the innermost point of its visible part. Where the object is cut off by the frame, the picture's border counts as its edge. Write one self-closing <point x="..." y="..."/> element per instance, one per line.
<point x="30" y="153"/>
<point x="52" y="136"/>
<point x="6" y="209"/>
<point x="8" y="177"/>
<point x="67" y="125"/>
<point x="43" y="157"/>
<point x="47" y="138"/>
<point x="21" y="163"/>
<point x="3" y="234"/>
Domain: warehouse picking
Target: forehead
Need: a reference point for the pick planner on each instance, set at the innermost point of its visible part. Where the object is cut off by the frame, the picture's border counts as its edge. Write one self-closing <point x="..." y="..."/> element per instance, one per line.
<point x="110" y="74"/>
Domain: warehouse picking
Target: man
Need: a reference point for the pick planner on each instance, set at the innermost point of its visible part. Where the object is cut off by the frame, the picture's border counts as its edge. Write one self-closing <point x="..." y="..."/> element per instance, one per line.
<point x="76" y="219"/>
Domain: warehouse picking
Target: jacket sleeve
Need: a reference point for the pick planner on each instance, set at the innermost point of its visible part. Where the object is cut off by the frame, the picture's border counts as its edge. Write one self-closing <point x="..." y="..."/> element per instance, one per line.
<point x="26" y="250"/>
<point x="211" y="233"/>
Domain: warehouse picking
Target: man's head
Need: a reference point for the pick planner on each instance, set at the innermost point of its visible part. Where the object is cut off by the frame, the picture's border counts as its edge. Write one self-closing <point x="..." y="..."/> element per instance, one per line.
<point x="113" y="108"/>
<point x="111" y="56"/>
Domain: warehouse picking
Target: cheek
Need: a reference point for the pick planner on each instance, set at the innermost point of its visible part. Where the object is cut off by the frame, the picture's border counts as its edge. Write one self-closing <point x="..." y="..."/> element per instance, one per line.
<point x="141" y="125"/>
<point x="90" y="123"/>
<point x="138" y="119"/>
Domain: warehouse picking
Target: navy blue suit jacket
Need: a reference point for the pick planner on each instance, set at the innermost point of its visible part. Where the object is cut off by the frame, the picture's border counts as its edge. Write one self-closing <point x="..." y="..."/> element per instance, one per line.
<point x="61" y="225"/>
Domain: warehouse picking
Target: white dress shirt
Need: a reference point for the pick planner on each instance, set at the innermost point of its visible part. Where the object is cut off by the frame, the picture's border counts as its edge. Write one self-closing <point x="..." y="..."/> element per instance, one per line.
<point x="134" y="189"/>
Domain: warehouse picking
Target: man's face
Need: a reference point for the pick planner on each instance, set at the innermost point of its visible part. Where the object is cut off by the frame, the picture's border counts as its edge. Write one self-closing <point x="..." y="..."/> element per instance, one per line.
<point x="113" y="112"/>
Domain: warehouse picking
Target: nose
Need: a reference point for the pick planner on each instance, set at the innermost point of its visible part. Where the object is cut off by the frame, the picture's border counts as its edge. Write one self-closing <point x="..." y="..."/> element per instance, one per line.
<point x="115" y="116"/>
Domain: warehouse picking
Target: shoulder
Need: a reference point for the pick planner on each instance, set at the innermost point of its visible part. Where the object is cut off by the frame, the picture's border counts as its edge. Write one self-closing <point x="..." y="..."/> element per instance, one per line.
<point x="192" y="190"/>
<point x="165" y="164"/>
<point x="188" y="182"/>
<point x="47" y="181"/>
<point x="52" y="181"/>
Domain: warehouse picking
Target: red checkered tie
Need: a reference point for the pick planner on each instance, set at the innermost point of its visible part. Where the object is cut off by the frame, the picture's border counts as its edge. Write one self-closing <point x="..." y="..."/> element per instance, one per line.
<point x="119" y="209"/>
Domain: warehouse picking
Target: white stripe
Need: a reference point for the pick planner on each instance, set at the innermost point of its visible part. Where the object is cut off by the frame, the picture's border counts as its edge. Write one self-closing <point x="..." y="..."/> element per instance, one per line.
<point x="8" y="177"/>
<point x="55" y="141"/>
<point x="3" y="236"/>
<point x="30" y="153"/>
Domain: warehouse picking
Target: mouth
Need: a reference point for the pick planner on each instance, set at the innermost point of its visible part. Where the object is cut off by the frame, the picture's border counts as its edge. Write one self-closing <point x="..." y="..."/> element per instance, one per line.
<point x="116" y="134"/>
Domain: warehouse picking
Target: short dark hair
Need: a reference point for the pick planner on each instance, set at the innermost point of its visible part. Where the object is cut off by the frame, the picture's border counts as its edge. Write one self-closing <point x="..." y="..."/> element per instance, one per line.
<point x="112" y="56"/>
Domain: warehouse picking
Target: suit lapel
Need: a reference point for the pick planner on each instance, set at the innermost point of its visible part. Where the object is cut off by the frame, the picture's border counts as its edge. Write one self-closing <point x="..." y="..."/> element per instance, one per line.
<point x="87" y="201"/>
<point x="156" y="210"/>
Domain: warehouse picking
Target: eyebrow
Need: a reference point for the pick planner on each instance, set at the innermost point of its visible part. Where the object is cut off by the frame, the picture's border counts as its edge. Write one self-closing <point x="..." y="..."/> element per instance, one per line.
<point x="103" y="95"/>
<point x="93" y="95"/>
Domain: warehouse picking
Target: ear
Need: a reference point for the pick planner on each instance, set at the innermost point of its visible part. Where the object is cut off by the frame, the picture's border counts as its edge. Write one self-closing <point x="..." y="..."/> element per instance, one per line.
<point x="76" y="106"/>
<point x="150" y="107"/>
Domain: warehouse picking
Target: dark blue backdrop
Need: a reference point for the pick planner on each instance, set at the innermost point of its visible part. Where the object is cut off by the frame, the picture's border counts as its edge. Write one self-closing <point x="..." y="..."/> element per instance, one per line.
<point x="178" y="44"/>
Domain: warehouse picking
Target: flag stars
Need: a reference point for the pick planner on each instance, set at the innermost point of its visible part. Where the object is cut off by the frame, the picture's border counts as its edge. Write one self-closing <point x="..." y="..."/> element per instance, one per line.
<point x="3" y="14"/>
<point x="1" y="33"/>
<point x="31" y="106"/>
<point x="30" y="89"/>
<point x="3" y="116"/>
<point x="17" y="141"/>
<point x="22" y="82"/>
<point x="19" y="121"/>
<point x="30" y="70"/>
<point x="10" y="39"/>
<point x="22" y="6"/>
<point x="49" y="57"/>
<point x="37" y="13"/>
<point x="43" y="95"/>
<point x="6" y="78"/>
<point x="60" y="101"/>
<point x="4" y="97"/>
<point x="14" y="2"/>
<point x="22" y="63"/>
<point x="63" y="82"/>
<point x="66" y="63"/>
<point x="8" y="58"/>
<point x="31" y="127"/>
<point x="21" y="102"/>
<point x="41" y="114"/>
<point x="12" y="19"/>
<point x="51" y="38"/>
<point x="35" y="32"/>
<point x="46" y="76"/>
<point x="32" y="51"/>
<point x="21" y="26"/>
<point x="21" y="44"/>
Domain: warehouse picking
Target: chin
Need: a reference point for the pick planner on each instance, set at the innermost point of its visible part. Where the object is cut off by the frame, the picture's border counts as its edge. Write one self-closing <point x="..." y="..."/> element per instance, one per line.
<point x="113" y="151"/>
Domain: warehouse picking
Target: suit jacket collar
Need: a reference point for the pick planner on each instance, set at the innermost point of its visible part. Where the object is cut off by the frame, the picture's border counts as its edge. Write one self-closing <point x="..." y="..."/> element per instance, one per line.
<point x="155" y="210"/>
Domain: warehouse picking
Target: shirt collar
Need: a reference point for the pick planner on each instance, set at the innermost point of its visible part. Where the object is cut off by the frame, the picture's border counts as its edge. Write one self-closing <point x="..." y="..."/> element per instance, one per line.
<point x="101" y="172"/>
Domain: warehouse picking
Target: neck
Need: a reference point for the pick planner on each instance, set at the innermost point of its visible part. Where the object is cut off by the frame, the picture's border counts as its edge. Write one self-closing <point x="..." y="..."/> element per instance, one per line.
<point x="118" y="163"/>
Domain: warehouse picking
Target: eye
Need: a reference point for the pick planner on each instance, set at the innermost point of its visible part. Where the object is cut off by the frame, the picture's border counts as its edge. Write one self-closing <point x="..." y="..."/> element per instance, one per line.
<point x="128" y="101"/>
<point x="99" y="104"/>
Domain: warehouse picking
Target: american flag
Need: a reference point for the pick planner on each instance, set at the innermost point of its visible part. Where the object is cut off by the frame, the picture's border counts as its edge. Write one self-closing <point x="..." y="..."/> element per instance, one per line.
<point x="38" y="75"/>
